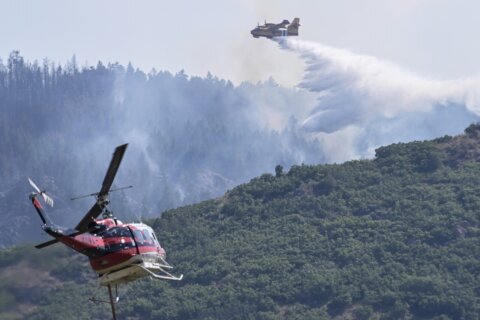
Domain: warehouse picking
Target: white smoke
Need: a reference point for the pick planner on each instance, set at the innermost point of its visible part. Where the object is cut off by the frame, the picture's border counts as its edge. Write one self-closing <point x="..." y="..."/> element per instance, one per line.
<point x="364" y="102"/>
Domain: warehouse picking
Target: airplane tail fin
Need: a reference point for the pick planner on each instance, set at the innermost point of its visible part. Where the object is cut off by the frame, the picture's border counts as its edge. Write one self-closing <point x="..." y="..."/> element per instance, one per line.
<point x="293" y="27"/>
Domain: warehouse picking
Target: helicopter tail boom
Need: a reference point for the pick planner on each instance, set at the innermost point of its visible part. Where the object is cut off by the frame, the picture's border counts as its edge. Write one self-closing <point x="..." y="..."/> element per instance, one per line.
<point x="39" y="209"/>
<point x="58" y="233"/>
<point x="48" y="226"/>
<point x="44" y="217"/>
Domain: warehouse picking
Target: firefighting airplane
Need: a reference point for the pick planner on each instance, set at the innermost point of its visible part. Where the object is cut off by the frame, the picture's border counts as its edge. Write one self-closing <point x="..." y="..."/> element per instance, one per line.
<point x="282" y="29"/>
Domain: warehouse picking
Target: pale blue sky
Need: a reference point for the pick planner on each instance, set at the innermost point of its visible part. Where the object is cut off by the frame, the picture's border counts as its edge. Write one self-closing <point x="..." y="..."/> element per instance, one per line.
<point x="436" y="38"/>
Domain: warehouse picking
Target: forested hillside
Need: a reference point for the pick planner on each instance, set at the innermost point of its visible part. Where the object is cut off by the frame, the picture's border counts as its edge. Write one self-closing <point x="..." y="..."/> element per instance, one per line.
<point x="192" y="137"/>
<point x="396" y="237"/>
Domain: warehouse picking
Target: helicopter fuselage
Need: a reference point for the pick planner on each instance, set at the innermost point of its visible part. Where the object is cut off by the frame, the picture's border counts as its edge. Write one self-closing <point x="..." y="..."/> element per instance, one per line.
<point x="111" y="245"/>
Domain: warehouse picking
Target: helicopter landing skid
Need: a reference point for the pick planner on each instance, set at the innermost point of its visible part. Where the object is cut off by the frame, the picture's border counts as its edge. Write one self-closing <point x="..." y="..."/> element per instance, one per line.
<point x="164" y="276"/>
<point x="156" y="269"/>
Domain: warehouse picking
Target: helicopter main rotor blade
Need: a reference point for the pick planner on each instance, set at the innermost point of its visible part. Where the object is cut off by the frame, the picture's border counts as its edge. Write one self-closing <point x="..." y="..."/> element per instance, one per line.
<point x="98" y="207"/>
<point x="85" y="196"/>
<point x="112" y="169"/>
<point x="93" y="213"/>
<point x="97" y="193"/>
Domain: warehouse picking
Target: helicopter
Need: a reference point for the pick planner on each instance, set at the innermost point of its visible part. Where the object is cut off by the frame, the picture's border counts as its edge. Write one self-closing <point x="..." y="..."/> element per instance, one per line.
<point x="118" y="252"/>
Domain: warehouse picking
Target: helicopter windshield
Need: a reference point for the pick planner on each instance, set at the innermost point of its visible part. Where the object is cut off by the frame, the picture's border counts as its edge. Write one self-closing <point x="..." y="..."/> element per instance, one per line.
<point x="144" y="237"/>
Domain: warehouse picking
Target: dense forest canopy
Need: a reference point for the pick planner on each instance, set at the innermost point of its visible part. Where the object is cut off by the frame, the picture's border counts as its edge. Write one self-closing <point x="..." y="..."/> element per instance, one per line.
<point x="393" y="237"/>
<point x="191" y="138"/>
<point x="396" y="237"/>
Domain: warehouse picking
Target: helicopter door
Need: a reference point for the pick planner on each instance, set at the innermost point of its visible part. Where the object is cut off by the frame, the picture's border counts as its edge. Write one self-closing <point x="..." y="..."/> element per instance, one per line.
<point x="117" y="239"/>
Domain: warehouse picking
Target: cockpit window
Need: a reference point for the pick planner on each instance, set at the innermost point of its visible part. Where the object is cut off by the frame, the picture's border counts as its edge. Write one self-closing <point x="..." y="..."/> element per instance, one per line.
<point x="138" y="236"/>
<point x="148" y="237"/>
<point x="117" y="232"/>
<point x="144" y="237"/>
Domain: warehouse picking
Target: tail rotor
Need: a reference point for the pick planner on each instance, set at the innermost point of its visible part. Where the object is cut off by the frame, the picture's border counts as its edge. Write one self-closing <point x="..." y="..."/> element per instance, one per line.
<point x="46" y="198"/>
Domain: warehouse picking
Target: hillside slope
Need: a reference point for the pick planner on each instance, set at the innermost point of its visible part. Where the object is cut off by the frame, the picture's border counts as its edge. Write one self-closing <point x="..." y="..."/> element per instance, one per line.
<point x="394" y="237"/>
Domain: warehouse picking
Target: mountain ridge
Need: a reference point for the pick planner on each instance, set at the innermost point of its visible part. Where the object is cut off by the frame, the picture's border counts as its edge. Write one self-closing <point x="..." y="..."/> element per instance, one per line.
<point x="393" y="237"/>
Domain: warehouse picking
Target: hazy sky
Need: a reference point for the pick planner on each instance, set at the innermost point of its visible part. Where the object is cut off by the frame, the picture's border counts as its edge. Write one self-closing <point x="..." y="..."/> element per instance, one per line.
<point x="435" y="38"/>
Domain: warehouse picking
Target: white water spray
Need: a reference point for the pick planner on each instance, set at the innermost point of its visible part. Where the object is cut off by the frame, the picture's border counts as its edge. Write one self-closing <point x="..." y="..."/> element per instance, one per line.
<point x="364" y="102"/>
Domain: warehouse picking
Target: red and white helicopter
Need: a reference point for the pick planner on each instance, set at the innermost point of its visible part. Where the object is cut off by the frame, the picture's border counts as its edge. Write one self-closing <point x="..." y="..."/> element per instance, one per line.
<point x="118" y="252"/>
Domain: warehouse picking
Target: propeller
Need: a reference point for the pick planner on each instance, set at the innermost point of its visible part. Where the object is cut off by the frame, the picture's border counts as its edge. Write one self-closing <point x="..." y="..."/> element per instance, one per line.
<point x="48" y="200"/>
<point x="102" y="195"/>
